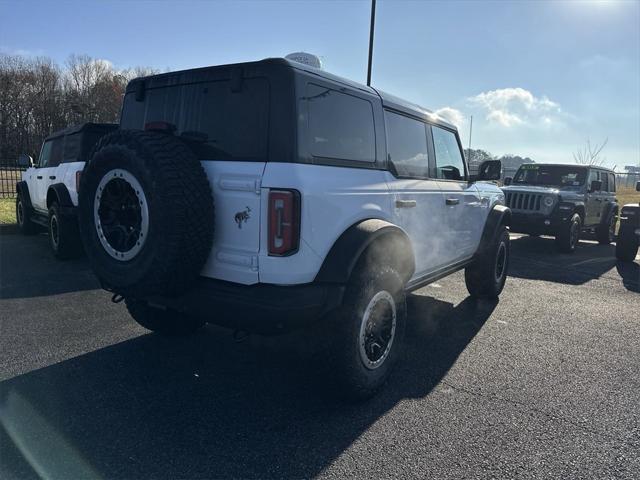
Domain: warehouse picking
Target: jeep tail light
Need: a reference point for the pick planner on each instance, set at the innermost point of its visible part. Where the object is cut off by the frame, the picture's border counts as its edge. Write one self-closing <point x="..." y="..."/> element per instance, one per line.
<point x="284" y="222"/>
<point x="78" y="175"/>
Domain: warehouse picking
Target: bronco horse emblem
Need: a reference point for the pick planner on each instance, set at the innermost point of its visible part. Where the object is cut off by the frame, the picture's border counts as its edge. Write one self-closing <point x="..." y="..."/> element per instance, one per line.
<point x="242" y="216"/>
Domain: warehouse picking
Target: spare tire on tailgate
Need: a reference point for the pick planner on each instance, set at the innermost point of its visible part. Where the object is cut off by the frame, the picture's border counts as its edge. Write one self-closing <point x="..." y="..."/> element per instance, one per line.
<point x="146" y="213"/>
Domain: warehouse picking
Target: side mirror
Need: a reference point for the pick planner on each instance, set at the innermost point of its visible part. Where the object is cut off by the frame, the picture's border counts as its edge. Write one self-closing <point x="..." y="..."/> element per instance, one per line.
<point x="596" y="186"/>
<point x="507" y="181"/>
<point x="25" y="161"/>
<point x="637" y="186"/>
<point x="489" y="170"/>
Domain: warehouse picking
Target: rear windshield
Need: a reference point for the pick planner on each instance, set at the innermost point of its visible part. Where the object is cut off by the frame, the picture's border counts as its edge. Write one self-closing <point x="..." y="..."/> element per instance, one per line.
<point x="550" y="175"/>
<point x="220" y="124"/>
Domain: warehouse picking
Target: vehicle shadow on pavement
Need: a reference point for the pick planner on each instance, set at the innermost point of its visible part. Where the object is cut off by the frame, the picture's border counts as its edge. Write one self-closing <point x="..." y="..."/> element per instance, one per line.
<point x="536" y="258"/>
<point x="29" y="269"/>
<point x="205" y="406"/>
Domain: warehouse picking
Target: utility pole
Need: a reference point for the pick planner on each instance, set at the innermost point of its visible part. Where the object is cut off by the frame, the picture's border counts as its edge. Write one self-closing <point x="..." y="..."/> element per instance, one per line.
<point x="371" y="29"/>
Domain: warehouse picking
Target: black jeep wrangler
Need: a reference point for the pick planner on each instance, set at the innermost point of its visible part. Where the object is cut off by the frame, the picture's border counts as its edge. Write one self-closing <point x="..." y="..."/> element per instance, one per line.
<point x="563" y="201"/>
<point x="629" y="233"/>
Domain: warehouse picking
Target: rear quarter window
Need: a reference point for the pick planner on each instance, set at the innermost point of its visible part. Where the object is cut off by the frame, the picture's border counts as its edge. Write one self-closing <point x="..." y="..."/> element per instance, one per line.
<point x="341" y="125"/>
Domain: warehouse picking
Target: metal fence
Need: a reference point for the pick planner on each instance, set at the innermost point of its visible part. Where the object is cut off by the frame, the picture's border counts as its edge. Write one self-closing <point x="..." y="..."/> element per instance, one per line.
<point x="627" y="180"/>
<point x="10" y="173"/>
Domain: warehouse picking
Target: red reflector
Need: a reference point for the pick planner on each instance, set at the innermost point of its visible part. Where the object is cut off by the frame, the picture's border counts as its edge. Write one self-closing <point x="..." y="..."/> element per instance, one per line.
<point x="160" y="126"/>
<point x="284" y="222"/>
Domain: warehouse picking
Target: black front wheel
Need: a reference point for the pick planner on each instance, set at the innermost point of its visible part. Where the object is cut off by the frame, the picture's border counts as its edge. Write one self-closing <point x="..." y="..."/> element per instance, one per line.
<point x="64" y="236"/>
<point x="486" y="276"/>
<point x="569" y="235"/>
<point x="606" y="232"/>
<point x="23" y="217"/>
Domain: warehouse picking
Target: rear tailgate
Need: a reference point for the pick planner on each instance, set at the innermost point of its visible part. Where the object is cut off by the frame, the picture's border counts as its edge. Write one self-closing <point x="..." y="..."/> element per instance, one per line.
<point x="236" y="237"/>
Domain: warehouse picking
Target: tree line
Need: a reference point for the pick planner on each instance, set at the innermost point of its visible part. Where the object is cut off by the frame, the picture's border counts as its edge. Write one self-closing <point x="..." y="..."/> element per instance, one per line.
<point x="39" y="96"/>
<point x="509" y="162"/>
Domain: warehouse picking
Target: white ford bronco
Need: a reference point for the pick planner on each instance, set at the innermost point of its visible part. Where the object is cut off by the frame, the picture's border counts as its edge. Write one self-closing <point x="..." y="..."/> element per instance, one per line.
<point x="265" y="196"/>
<point x="47" y="195"/>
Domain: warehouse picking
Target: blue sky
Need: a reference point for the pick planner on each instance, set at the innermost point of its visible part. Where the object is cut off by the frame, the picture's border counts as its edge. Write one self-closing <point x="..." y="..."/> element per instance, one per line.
<point x="539" y="77"/>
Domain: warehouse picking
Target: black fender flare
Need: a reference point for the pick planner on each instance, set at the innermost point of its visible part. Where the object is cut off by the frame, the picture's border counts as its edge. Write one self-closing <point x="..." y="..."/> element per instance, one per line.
<point x="23" y="190"/>
<point x="612" y="207"/>
<point x="581" y="209"/>
<point x="347" y="250"/>
<point x="500" y="215"/>
<point x="58" y="192"/>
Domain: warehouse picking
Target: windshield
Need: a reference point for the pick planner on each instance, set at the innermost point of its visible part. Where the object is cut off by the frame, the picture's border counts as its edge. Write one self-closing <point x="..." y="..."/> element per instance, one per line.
<point x="550" y="175"/>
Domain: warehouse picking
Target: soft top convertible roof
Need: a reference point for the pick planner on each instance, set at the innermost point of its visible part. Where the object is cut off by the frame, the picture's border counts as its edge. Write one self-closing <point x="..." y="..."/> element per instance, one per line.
<point x="275" y="66"/>
<point x="83" y="127"/>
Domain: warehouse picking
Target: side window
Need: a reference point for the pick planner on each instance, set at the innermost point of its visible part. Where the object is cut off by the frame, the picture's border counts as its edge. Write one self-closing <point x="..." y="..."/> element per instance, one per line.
<point x="593" y="175"/>
<point x="340" y="125"/>
<point x="604" y="178"/>
<point x="449" y="162"/>
<point x="56" y="152"/>
<point x="45" y="154"/>
<point x="612" y="182"/>
<point x="407" y="145"/>
<point x="72" y="147"/>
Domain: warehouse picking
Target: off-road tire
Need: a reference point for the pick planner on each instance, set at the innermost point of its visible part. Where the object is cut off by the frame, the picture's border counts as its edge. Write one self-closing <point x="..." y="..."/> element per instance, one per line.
<point x="346" y="369"/>
<point x="164" y="322"/>
<point x="605" y="232"/>
<point x="64" y="236"/>
<point x="568" y="235"/>
<point x="486" y="276"/>
<point x="180" y="213"/>
<point x="23" y="217"/>
<point x="626" y="244"/>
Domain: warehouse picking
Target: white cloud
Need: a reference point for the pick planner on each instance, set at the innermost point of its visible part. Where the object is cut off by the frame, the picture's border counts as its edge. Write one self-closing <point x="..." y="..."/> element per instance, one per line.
<point x="451" y="115"/>
<point x="509" y="107"/>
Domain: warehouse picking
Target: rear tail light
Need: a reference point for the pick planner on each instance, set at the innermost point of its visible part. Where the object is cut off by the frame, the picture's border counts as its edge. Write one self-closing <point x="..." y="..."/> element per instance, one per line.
<point x="284" y="222"/>
<point x="78" y="175"/>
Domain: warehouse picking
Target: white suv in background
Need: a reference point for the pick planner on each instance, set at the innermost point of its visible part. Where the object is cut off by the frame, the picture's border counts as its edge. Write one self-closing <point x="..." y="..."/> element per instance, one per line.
<point x="269" y="195"/>
<point x="47" y="196"/>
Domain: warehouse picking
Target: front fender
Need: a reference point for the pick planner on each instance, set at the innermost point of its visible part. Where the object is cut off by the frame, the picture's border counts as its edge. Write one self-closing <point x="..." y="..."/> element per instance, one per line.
<point x="23" y="189"/>
<point x="499" y="216"/>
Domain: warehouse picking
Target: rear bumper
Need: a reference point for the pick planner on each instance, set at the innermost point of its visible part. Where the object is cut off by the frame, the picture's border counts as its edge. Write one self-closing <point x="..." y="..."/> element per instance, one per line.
<point x="261" y="308"/>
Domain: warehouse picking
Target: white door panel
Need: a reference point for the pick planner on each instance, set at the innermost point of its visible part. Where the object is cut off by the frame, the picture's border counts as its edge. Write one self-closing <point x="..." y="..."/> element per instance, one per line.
<point x="463" y="217"/>
<point x="237" y="206"/>
<point x="418" y="209"/>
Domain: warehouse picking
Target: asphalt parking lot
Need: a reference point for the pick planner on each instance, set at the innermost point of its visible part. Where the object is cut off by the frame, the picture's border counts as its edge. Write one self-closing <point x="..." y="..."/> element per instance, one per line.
<point x="542" y="384"/>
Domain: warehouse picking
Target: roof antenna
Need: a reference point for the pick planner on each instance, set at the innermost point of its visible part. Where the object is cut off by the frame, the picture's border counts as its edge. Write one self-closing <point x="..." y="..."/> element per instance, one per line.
<point x="371" y="28"/>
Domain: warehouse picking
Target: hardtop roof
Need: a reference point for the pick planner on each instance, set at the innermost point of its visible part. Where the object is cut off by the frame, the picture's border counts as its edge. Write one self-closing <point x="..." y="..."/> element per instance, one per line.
<point x="272" y="65"/>
<point x="573" y="165"/>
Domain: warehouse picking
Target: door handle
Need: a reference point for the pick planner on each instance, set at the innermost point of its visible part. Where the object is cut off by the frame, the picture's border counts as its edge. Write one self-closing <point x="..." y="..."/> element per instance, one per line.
<point x="405" y="203"/>
<point x="52" y="177"/>
<point x="39" y="177"/>
<point x="452" y="201"/>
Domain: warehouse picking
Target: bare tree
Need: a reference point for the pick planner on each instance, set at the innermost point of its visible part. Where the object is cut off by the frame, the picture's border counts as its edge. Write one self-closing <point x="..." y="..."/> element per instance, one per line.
<point x="38" y="97"/>
<point x="590" y="155"/>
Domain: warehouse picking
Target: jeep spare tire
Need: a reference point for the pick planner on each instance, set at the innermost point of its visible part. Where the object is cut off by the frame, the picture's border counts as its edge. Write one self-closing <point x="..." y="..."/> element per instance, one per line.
<point x="146" y="214"/>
